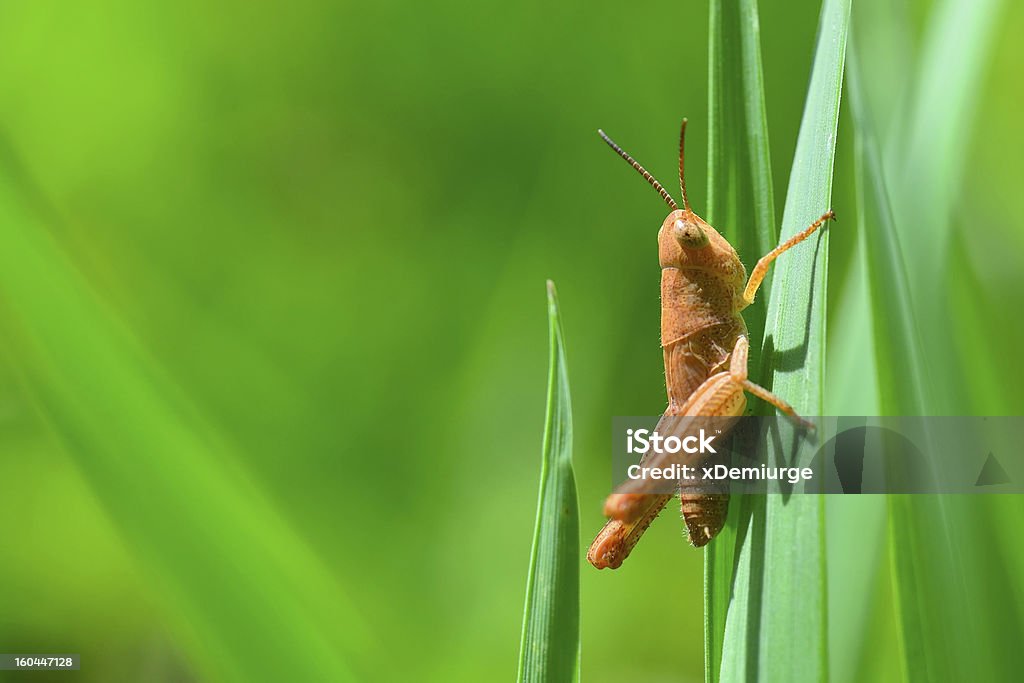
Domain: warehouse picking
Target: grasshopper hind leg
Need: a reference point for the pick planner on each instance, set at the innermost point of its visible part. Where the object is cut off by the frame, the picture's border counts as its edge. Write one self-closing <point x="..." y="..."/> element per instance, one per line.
<point x="618" y="538"/>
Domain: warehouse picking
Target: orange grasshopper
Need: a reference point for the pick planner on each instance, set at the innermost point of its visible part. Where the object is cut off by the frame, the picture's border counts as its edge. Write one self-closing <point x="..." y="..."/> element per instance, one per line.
<point x="704" y="288"/>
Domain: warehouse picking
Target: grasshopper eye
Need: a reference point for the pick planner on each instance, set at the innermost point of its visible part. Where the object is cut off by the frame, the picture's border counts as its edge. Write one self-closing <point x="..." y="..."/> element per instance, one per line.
<point x="689" y="235"/>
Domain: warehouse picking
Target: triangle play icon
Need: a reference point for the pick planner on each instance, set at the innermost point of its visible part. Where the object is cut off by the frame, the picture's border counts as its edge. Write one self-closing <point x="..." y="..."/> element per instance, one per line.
<point x="992" y="473"/>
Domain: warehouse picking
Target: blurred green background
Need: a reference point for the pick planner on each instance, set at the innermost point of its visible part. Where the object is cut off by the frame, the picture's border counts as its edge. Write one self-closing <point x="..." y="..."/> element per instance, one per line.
<point x="274" y="333"/>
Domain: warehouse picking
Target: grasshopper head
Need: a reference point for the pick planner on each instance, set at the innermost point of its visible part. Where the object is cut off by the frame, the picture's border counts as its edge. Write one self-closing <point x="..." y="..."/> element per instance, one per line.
<point x="688" y="230"/>
<point x="687" y="241"/>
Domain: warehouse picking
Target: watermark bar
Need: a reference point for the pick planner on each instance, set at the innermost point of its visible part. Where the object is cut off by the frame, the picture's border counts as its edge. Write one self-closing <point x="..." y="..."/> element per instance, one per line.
<point x="842" y="455"/>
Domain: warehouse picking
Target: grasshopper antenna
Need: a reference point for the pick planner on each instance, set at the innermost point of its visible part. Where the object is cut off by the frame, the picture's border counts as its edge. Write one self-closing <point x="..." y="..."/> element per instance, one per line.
<point x="647" y="176"/>
<point x="682" y="174"/>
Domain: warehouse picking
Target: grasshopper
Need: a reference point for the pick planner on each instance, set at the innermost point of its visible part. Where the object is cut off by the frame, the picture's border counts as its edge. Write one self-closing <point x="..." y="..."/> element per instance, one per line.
<point x="704" y="288"/>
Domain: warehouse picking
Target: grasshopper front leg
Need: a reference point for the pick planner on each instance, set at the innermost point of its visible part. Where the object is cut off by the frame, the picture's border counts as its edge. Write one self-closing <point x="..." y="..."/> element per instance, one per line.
<point x="761" y="269"/>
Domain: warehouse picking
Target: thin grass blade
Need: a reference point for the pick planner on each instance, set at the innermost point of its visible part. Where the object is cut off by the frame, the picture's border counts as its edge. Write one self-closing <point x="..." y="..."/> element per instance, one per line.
<point x="741" y="200"/>
<point x="786" y="639"/>
<point x="925" y="173"/>
<point x="550" y="646"/>
<point x="742" y="205"/>
<point x="900" y="377"/>
<point x="954" y="622"/>
<point x="899" y="355"/>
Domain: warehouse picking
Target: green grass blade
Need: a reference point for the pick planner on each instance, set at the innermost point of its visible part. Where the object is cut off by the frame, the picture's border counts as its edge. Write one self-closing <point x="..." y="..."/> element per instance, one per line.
<point x="741" y="200"/>
<point x="900" y="377"/>
<point x="881" y="29"/>
<point x="940" y="126"/>
<point x="926" y="174"/>
<point x="786" y="638"/>
<point x="740" y="650"/>
<point x="232" y="578"/>
<point x="855" y="525"/>
<point x="856" y="528"/>
<point x="551" y="620"/>
<point x="944" y="103"/>
<point x="852" y="386"/>
<point x="953" y="619"/>
<point x="719" y="563"/>
<point x="795" y="339"/>
<point x="741" y="204"/>
<point x="898" y="357"/>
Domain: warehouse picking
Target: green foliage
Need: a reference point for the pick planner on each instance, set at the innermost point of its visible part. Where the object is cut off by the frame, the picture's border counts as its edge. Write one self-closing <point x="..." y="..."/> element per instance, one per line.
<point x="779" y="548"/>
<point x="741" y="204"/>
<point x="267" y="303"/>
<point x="776" y="624"/>
<point x="232" y="574"/>
<point x="740" y="192"/>
<point x="949" y="628"/>
<point x="550" y="645"/>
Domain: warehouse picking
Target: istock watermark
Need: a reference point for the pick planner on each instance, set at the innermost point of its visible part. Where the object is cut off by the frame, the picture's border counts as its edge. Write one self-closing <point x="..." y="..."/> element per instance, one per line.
<point x="848" y="455"/>
<point x="645" y="439"/>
